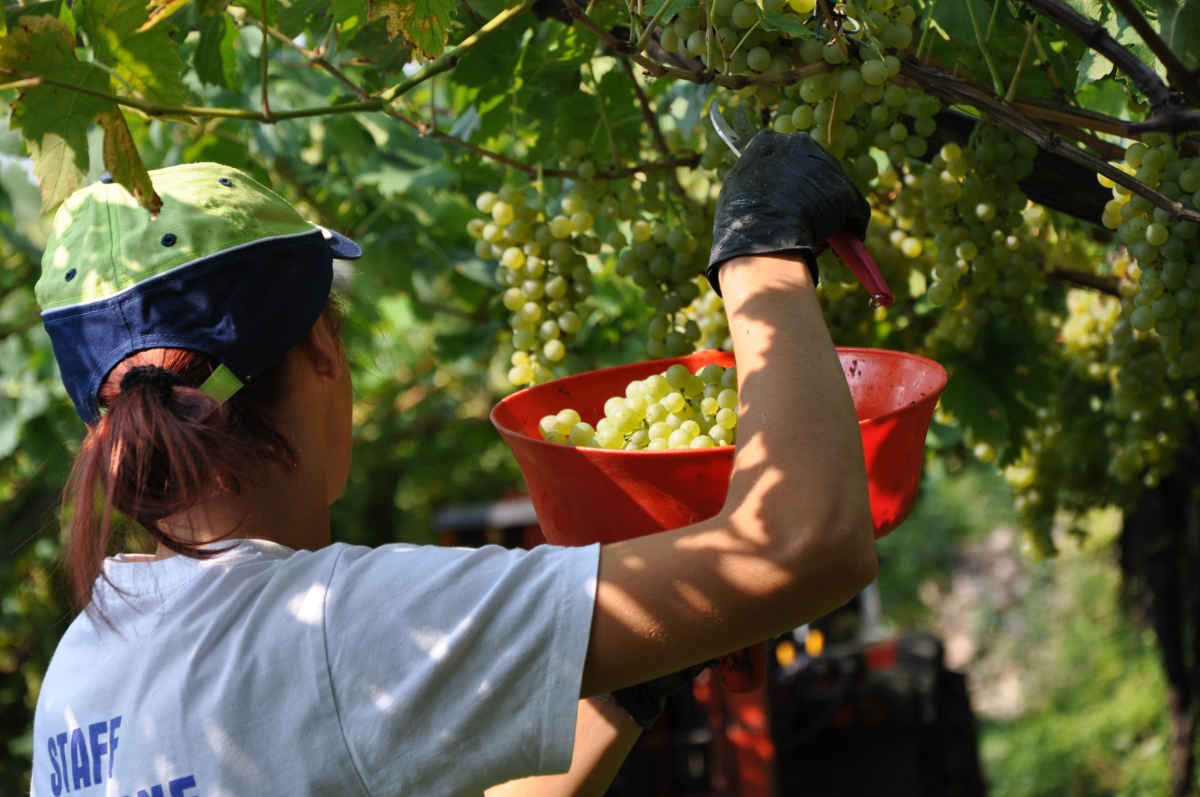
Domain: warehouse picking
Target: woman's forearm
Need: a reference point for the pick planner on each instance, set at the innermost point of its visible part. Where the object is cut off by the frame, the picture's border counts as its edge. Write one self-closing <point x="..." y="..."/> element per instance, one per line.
<point x="795" y="537"/>
<point x="604" y="735"/>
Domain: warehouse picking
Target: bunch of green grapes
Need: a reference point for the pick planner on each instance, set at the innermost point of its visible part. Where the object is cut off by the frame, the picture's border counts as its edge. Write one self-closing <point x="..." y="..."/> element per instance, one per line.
<point x="669" y="410"/>
<point x="707" y="312"/>
<point x="735" y="41"/>
<point x="1165" y="289"/>
<point x="848" y="107"/>
<point x="1115" y="418"/>
<point x="667" y="262"/>
<point x="987" y="262"/>
<point x="541" y="251"/>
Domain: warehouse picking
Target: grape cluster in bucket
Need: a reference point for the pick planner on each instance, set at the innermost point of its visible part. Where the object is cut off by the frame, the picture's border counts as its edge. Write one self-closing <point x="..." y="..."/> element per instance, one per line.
<point x="669" y="410"/>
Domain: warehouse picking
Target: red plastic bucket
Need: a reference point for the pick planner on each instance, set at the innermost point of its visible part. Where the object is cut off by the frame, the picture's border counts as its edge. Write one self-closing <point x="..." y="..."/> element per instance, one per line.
<point x="586" y="495"/>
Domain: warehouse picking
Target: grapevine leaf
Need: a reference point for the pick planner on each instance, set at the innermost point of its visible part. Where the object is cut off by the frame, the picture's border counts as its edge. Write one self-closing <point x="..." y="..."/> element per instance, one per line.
<point x="423" y="23"/>
<point x="396" y="183"/>
<point x="577" y="118"/>
<point x="1092" y="67"/>
<point x="52" y="117"/>
<point x="57" y="140"/>
<point x="478" y="272"/>
<point x="1180" y="24"/>
<point x="160" y="10"/>
<point x="786" y="23"/>
<point x="955" y="20"/>
<point x="147" y="62"/>
<point x="216" y="56"/>
<point x="123" y="162"/>
<point x="350" y="15"/>
<point x="66" y="17"/>
<point x="372" y="44"/>
<point x="1091" y="9"/>
<point x="492" y="62"/>
<point x="293" y="16"/>
<point x="466" y="124"/>
<point x="651" y="9"/>
<point x="487" y="8"/>
<point x="1119" y="28"/>
<point x="621" y="105"/>
<point x="1104" y="96"/>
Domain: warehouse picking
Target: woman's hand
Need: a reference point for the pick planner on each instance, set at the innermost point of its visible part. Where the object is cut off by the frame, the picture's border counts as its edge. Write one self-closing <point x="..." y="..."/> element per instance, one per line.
<point x="785" y="195"/>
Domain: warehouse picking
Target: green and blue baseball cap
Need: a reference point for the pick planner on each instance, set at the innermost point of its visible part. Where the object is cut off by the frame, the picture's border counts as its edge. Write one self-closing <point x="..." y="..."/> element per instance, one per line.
<point x="227" y="268"/>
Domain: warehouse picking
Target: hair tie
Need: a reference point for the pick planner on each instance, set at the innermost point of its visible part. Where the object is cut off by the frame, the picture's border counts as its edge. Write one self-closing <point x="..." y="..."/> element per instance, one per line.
<point x="152" y="375"/>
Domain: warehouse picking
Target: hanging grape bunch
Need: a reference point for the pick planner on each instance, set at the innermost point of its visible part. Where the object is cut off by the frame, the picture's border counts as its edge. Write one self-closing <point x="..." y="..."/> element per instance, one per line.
<point x="667" y="262"/>
<point x="542" y="271"/>
<point x="1164" y="289"/>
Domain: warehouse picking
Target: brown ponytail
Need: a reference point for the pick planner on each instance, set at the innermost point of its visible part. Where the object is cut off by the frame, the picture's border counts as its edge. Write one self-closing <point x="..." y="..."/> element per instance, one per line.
<point x="159" y="449"/>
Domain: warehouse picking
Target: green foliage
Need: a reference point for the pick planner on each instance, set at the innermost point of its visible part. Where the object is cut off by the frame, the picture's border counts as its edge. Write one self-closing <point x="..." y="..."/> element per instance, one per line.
<point x="959" y="502"/>
<point x="1100" y="728"/>
<point x="145" y="62"/>
<point x="456" y="99"/>
<point x="53" y="117"/>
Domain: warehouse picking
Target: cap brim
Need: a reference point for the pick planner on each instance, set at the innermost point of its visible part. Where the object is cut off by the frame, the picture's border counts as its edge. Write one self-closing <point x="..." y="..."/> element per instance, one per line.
<point x="341" y="246"/>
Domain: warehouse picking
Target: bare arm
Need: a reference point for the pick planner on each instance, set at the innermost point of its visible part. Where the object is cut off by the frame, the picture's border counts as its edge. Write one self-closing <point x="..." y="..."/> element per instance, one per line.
<point x="794" y="539"/>
<point x="604" y="735"/>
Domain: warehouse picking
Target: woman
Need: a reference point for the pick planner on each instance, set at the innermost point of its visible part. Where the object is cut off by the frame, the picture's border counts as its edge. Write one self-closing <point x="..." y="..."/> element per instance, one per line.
<point x="251" y="655"/>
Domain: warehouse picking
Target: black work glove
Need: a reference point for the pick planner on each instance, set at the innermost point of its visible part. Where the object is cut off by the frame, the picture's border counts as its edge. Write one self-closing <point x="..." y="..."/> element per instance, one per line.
<point x="785" y="195"/>
<point x="645" y="702"/>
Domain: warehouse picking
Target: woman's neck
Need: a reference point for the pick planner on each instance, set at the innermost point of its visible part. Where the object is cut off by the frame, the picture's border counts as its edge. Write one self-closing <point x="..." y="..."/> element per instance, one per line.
<point x="282" y="508"/>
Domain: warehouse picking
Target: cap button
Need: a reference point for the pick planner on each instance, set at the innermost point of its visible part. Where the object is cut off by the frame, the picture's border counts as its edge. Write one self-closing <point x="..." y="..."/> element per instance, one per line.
<point x="225" y="181"/>
<point x="169" y="239"/>
<point x="106" y="177"/>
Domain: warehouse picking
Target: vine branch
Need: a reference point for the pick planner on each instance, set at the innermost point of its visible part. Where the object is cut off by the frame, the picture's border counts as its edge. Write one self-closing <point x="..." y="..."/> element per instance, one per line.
<point x="1180" y="76"/>
<point x="955" y="90"/>
<point x="1095" y="36"/>
<point x="648" y="114"/>
<point x="154" y="109"/>
<point x="1096" y="282"/>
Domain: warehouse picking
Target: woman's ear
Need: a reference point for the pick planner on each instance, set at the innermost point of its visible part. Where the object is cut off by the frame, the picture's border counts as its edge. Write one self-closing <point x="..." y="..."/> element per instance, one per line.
<point x="323" y="348"/>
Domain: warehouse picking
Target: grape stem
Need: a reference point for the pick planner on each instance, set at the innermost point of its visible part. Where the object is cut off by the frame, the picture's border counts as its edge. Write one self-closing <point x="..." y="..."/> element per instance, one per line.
<point x="1031" y="31"/>
<point x="660" y="141"/>
<point x="263" y="54"/>
<point x="927" y="25"/>
<point x="987" y="56"/>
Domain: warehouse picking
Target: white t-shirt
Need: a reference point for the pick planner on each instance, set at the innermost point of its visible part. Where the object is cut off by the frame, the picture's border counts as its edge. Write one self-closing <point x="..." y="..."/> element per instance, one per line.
<point x="398" y="670"/>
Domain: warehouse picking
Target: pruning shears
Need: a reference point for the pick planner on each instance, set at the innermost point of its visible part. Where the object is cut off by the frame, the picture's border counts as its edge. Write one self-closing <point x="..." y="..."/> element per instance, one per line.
<point x="849" y="248"/>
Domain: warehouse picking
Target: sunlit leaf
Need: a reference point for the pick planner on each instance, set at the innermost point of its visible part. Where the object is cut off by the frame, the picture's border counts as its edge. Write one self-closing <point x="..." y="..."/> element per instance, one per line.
<point x="216" y="54"/>
<point x="123" y="162"/>
<point x="146" y="63"/>
<point x="422" y="23"/>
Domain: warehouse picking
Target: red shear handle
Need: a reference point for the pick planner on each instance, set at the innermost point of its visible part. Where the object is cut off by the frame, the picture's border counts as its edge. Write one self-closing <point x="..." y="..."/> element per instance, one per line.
<point x="744" y="670"/>
<point x="855" y="255"/>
